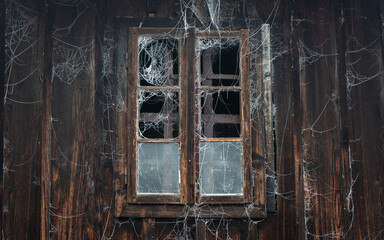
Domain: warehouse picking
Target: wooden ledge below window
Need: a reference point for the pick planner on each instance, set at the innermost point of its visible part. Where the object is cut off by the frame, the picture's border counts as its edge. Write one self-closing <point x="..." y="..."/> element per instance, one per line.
<point x="238" y="211"/>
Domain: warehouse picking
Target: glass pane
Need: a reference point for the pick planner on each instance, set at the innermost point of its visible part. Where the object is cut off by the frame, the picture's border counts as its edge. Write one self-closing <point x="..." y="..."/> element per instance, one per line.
<point x="158" y="61"/>
<point x="219" y="61"/>
<point x="158" y="168"/>
<point x="220" y="114"/>
<point x="221" y="168"/>
<point x="158" y="114"/>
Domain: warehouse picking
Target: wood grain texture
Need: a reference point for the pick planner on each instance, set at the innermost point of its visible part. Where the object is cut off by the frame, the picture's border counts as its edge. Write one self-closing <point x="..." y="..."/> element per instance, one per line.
<point x="2" y="82"/>
<point x="328" y="126"/>
<point x="75" y="203"/>
<point x="322" y="165"/>
<point x="365" y="122"/>
<point x="46" y="124"/>
<point x="22" y="120"/>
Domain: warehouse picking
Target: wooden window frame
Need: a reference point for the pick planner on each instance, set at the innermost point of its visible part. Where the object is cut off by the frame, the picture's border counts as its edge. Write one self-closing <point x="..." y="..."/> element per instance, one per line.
<point x="127" y="202"/>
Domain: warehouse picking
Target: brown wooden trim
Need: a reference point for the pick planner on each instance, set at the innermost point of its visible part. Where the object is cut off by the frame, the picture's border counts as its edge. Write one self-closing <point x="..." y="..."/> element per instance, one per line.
<point x="159" y="88"/>
<point x="216" y="34"/>
<point x="158" y="140"/>
<point x="120" y="163"/>
<point x="186" y="72"/>
<point x="157" y="198"/>
<point x="220" y="88"/>
<point x="181" y="211"/>
<point x="152" y="205"/>
<point x="246" y="117"/>
<point x="190" y="113"/>
<point x="217" y="199"/>
<point x="131" y="114"/>
<point x="268" y="115"/>
<point x="258" y="133"/>
<point x="183" y="126"/>
<point x="220" y="139"/>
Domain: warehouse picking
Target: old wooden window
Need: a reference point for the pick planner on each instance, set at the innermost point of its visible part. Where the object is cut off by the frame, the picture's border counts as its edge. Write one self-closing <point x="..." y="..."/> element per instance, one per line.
<point x="185" y="134"/>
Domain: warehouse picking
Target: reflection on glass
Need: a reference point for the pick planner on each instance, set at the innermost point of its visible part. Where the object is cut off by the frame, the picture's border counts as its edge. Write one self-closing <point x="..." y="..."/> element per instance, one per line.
<point x="221" y="168"/>
<point x="158" y="168"/>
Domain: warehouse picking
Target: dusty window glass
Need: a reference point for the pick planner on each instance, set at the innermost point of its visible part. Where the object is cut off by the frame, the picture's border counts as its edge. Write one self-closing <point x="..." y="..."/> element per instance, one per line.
<point x="158" y="168"/>
<point x="221" y="168"/>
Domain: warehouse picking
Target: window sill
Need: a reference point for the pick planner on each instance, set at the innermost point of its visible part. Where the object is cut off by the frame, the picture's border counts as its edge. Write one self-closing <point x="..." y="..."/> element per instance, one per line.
<point x="239" y="211"/>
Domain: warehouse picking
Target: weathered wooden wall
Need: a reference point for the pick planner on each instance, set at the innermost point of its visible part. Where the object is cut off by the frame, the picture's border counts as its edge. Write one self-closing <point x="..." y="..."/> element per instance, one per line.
<point x="59" y="141"/>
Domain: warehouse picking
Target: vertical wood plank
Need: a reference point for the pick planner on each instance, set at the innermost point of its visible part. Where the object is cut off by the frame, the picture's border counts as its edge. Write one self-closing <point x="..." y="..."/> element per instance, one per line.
<point x="121" y="90"/>
<point x="258" y="129"/>
<point x="297" y="127"/>
<point x="131" y="123"/>
<point x="75" y="181"/>
<point x="149" y="229"/>
<point x="364" y="61"/>
<point x="187" y="81"/>
<point x="268" y="117"/>
<point x="23" y="109"/>
<point x="245" y="116"/>
<point x="46" y="124"/>
<point x="347" y="184"/>
<point x="200" y="230"/>
<point x="2" y="82"/>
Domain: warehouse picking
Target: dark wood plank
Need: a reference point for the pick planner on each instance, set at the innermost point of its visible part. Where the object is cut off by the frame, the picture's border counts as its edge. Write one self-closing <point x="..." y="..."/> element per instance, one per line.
<point x="365" y="117"/>
<point x="321" y="133"/>
<point x="131" y="123"/>
<point x="347" y="184"/>
<point x="149" y="229"/>
<point x="75" y="207"/>
<point x="22" y="111"/>
<point x="277" y="224"/>
<point x="200" y="230"/>
<point x="121" y="86"/>
<point x="297" y="126"/>
<point x="245" y="115"/>
<point x="2" y="82"/>
<point x="46" y="123"/>
<point x="190" y="111"/>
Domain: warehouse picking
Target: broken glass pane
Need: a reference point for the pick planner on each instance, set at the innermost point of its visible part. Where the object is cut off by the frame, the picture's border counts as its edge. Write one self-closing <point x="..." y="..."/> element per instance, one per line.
<point x="221" y="168"/>
<point x="158" y="114"/>
<point x="220" y="114"/>
<point x="219" y="62"/>
<point x="158" y="168"/>
<point x="158" y="61"/>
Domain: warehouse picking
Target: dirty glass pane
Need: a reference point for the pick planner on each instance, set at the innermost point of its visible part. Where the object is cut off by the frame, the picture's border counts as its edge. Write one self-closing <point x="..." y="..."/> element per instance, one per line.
<point x="158" y="61"/>
<point x="158" y="168"/>
<point x="221" y="168"/>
